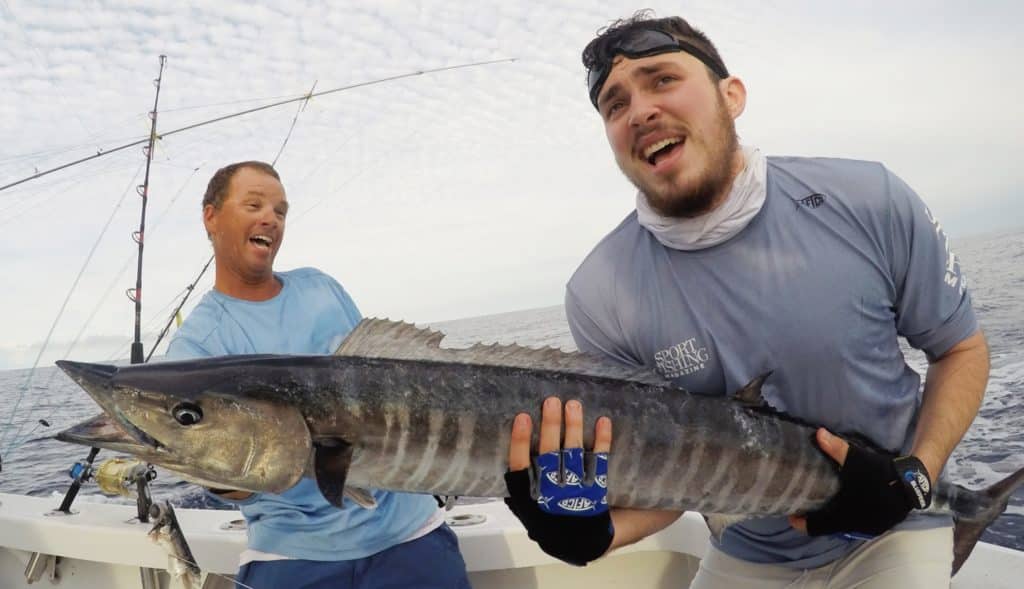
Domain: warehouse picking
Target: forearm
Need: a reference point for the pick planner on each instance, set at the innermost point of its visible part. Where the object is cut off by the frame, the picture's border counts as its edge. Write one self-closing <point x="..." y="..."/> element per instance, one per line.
<point x="954" y="388"/>
<point x="633" y="525"/>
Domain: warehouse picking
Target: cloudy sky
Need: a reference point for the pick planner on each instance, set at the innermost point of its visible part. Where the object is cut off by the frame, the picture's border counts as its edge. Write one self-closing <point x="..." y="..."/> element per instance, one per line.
<point x="445" y="195"/>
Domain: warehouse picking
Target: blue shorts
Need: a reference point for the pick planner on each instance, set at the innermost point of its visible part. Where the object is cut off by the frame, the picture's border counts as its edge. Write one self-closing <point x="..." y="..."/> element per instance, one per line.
<point x="432" y="561"/>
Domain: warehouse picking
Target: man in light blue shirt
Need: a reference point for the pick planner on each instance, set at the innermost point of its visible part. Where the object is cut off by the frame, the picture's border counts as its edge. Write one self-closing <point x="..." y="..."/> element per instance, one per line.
<point x="735" y="264"/>
<point x="297" y="539"/>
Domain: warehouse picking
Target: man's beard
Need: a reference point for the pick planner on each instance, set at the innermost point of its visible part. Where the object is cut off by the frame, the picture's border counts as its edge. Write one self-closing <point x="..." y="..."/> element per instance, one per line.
<point x="693" y="201"/>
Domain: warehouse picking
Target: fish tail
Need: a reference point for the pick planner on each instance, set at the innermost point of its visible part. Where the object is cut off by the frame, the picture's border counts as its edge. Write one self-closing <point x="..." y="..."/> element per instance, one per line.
<point x="975" y="510"/>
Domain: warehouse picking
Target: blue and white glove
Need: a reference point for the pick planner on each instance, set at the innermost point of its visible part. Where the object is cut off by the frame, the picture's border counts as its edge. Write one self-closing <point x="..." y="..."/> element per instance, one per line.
<point x="563" y="489"/>
<point x="569" y="519"/>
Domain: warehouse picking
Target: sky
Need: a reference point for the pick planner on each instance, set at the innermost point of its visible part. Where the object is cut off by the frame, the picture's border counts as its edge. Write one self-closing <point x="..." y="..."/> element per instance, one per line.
<point x="447" y="195"/>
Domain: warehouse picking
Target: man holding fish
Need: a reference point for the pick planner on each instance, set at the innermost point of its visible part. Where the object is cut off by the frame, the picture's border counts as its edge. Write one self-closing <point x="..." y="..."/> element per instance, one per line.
<point x="296" y="538"/>
<point x="734" y="265"/>
<point x="787" y="280"/>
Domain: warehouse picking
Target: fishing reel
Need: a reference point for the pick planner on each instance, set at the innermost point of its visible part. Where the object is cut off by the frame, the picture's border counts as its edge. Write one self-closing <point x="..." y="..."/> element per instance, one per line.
<point x="120" y="476"/>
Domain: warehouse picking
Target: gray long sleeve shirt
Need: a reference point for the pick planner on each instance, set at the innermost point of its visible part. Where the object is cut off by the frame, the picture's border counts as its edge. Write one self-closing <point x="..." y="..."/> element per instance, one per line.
<point x="841" y="261"/>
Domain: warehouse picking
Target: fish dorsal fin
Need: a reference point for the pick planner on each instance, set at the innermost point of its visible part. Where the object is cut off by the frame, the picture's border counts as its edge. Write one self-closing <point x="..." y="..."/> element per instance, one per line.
<point x="752" y="399"/>
<point x="396" y="340"/>
<point x="382" y="338"/>
<point x="750" y="395"/>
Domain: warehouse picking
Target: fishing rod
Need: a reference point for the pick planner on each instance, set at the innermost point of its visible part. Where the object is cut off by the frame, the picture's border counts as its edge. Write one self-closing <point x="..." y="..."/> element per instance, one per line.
<point x="191" y="287"/>
<point x="103" y="152"/>
<point x="81" y="472"/>
<point x="140" y="236"/>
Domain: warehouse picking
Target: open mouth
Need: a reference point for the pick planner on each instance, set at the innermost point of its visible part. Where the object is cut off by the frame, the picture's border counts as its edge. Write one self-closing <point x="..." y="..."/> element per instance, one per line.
<point x="116" y="434"/>
<point x="261" y="241"/>
<point x="143" y="438"/>
<point x="662" y="149"/>
<point x="101" y="430"/>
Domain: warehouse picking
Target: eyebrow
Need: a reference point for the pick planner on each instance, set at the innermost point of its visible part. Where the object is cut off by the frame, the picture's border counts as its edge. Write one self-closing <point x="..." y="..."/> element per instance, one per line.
<point x="609" y="94"/>
<point x="656" y="66"/>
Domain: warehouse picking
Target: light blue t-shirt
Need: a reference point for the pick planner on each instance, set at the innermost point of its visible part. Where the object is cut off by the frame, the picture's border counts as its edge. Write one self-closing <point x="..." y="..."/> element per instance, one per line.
<point x="311" y="315"/>
<point x="841" y="261"/>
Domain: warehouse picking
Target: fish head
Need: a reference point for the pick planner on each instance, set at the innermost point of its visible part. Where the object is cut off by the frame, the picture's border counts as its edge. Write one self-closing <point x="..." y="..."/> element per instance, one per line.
<point x="186" y="421"/>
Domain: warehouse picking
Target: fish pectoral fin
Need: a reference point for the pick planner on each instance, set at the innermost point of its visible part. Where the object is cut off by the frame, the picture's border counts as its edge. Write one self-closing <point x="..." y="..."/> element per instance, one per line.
<point x="361" y="497"/>
<point x="331" y="459"/>
<point x="717" y="522"/>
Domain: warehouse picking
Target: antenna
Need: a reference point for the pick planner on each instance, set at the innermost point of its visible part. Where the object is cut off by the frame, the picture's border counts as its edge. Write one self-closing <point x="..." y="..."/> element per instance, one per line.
<point x="135" y="294"/>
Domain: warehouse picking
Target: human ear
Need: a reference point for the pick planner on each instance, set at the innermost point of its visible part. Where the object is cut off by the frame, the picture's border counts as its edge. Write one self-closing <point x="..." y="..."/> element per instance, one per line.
<point x="734" y="93"/>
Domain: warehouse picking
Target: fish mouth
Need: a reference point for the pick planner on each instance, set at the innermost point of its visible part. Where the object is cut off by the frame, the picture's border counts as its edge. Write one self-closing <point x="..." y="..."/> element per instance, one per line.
<point x="102" y="431"/>
<point x="142" y="437"/>
<point x="108" y="430"/>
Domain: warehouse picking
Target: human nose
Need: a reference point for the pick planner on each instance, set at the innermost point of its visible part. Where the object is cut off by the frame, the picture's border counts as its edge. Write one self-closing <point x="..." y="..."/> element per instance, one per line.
<point x="269" y="217"/>
<point x="643" y="112"/>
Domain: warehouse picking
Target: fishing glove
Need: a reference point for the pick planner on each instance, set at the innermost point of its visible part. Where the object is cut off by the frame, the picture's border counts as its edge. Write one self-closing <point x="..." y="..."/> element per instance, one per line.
<point x="569" y="519"/>
<point x="876" y="492"/>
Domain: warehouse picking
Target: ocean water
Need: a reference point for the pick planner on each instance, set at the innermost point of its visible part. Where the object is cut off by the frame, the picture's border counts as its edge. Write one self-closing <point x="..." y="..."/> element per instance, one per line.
<point x="991" y="450"/>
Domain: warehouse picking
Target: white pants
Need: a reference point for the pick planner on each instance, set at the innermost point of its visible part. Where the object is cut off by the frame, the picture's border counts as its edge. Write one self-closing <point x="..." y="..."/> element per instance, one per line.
<point x="901" y="558"/>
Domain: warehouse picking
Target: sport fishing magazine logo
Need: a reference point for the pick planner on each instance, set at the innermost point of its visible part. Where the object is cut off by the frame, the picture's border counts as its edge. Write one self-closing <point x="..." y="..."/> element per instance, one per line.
<point x="684" y="358"/>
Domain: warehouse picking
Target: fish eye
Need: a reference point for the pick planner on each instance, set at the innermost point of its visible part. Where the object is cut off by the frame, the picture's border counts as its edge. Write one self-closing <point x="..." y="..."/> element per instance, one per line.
<point x="187" y="413"/>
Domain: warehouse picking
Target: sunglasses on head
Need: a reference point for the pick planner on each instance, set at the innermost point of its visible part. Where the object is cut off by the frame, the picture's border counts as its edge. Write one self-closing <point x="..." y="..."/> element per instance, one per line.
<point x="645" y="43"/>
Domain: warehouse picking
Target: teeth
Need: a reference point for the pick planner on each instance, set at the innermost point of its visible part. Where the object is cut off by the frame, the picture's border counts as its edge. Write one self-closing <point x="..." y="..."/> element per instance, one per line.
<point x="262" y="239"/>
<point x="651" y="149"/>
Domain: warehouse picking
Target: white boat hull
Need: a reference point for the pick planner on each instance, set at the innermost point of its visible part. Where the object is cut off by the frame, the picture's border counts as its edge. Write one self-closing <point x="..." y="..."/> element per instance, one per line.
<point x="101" y="546"/>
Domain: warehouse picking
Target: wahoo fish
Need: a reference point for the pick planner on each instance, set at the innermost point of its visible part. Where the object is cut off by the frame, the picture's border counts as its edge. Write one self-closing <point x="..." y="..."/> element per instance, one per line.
<point x="392" y="409"/>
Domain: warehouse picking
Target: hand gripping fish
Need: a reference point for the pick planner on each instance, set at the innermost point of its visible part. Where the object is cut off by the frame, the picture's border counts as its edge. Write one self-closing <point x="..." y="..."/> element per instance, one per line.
<point x="391" y="409"/>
